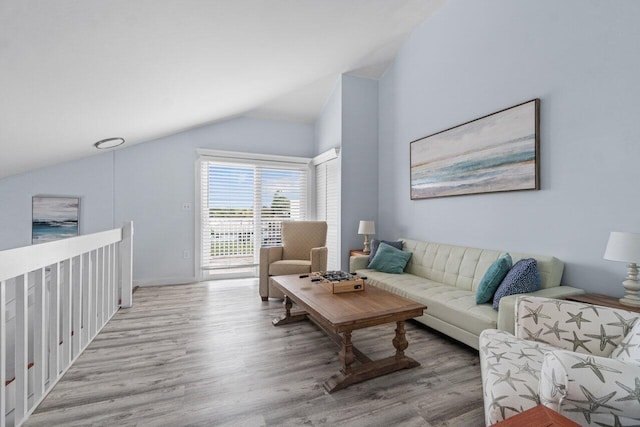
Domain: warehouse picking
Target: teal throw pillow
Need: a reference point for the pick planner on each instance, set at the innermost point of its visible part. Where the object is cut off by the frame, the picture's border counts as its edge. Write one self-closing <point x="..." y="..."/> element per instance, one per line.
<point x="492" y="278"/>
<point x="389" y="259"/>
<point x="375" y="243"/>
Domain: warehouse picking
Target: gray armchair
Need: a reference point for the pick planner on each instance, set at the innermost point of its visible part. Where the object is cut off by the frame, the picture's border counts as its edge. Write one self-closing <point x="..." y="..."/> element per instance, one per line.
<point x="303" y="250"/>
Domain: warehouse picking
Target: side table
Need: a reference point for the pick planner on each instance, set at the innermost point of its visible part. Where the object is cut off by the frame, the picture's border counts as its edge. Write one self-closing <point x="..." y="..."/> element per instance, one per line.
<point x="603" y="300"/>
<point x="354" y="252"/>
<point x="537" y="416"/>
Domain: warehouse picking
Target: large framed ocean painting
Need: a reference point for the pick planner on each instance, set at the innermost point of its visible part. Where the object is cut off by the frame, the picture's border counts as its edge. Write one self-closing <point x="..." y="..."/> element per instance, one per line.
<point x="498" y="152"/>
<point x="54" y="218"/>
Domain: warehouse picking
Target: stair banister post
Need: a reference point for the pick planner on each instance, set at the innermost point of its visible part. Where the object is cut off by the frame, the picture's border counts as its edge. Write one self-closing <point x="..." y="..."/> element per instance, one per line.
<point x="126" y="265"/>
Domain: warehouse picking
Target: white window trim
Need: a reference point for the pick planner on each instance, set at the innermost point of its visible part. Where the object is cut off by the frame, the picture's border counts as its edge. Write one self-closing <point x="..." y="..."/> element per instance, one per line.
<point x="333" y="153"/>
<point x="326" y="156"/>
<point x="233" y="156"/>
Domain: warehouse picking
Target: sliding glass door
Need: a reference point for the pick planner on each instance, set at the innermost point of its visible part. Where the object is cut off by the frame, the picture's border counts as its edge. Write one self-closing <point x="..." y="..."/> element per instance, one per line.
<point x="243" y="204"/>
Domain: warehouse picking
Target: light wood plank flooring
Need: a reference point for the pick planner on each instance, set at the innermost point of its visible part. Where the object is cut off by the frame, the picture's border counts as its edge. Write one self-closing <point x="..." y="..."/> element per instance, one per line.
<point x="207" y="354"/>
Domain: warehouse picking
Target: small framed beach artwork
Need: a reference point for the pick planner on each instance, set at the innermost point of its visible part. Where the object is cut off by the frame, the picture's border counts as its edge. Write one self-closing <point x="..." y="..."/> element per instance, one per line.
<point x="498" y="152"/>
<point x="54" y="218"/>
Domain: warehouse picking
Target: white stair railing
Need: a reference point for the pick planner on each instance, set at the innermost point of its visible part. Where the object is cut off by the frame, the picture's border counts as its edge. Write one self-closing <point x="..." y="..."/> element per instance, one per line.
<point x="54" y="299"/>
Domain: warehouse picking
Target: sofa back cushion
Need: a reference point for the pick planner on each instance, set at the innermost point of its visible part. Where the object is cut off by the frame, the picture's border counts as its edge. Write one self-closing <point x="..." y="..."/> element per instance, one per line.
<point x="464" y="267"/>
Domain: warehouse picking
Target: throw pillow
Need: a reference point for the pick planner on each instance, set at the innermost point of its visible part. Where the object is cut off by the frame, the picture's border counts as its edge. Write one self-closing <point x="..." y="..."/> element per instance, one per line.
<point x="389" y="259"/>
<point x="373" y="247"/>
<point x="629" y="349"/>
<point x="521" y="279"/>
<point x="493" y="278"/>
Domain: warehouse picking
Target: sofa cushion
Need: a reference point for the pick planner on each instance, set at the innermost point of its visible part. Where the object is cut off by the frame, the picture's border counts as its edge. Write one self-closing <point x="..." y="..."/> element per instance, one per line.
<point x="522" y="278"/>
<point x="629" y="349"/>
<point x="375" y="243"/>
<point x="465" y="267"/>
<point x="493" y="278"/>
<point x="292" y="266"/>
<point x="447" y="303"/>
<point x="389" y="259"/>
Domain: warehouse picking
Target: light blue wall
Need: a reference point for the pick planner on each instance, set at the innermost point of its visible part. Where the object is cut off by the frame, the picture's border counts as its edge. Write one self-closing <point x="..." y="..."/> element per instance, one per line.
<point x="349" y="120"/>
<point x="146" y="183"/>
<point x="328" y="127"/>
<point x="91" y="179"/>
<point x="154" y="179"/>
<point x="474" y="58"/>
<point x="359" y="171"/>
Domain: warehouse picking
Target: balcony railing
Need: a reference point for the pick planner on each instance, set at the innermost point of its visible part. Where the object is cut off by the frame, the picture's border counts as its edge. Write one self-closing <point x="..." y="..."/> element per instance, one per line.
<point x="54" y="299"/>
<point x="234" y="242"/>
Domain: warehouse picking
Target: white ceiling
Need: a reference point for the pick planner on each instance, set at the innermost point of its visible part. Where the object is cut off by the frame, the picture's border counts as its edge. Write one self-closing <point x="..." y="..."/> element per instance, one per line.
<point x="74" y="72"/>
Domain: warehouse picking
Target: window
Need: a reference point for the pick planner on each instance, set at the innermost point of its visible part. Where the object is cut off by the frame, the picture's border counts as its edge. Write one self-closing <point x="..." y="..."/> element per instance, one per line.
<point x="327" y="196"/>
<point x="243" y="202"/>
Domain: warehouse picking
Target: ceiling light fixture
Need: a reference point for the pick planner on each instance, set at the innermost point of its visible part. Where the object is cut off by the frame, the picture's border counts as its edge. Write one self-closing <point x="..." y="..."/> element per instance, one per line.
<point x="105" y="144"/>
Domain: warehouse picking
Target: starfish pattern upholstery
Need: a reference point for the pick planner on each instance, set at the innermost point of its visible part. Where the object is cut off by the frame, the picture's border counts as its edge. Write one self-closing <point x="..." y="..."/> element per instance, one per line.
<point x="579" y="360"/>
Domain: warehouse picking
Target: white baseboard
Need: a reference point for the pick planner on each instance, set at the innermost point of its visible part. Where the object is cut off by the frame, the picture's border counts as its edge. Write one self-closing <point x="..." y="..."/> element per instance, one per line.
<point x="165" y="281"/>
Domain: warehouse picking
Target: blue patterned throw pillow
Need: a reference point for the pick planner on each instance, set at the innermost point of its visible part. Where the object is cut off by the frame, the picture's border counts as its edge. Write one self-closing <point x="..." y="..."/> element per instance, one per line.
<point x="389" y="259"/>
<point x="493" y="278"/>
<point x="521" y="279"/>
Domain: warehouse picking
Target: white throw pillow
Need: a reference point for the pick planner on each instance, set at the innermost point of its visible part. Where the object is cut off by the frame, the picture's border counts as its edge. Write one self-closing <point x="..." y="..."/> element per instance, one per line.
<point x="629" y="349"/>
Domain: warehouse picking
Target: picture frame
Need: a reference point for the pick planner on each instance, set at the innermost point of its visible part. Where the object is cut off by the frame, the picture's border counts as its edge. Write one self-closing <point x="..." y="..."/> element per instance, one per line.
<point x="498" y="152"/>
<point x="54" y="218"/>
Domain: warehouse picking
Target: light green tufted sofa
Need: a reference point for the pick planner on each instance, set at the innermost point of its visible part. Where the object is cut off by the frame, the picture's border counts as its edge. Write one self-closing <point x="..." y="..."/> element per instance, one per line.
<point x="445" y="279"/>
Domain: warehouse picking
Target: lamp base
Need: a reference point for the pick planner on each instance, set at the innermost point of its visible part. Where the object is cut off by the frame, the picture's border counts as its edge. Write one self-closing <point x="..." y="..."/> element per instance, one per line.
<point x="630" y="301"/>
<point x="366" y="249"/>
<point x="631" y="286"/>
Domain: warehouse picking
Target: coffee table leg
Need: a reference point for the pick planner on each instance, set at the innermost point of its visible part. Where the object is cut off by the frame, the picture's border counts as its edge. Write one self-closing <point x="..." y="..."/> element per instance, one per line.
<point x="287" y="317"/>
<point x="400" y="340"/>
<point x="346" y="353"/>
<point x="369" y="368"/>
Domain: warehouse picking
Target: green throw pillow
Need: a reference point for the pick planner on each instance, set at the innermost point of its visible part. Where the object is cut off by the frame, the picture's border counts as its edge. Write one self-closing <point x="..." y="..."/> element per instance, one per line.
<point x="389" y="259"/>
<point x="492" y="278"/>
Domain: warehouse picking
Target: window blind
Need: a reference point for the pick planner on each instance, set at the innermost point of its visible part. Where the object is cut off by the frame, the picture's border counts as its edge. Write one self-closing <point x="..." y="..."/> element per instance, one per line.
<point x="327" y="206"/>
<point x="243" y="206"/>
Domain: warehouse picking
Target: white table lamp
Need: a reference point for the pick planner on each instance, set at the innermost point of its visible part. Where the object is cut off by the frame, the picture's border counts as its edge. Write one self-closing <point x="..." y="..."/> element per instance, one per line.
<point x="625" y="247"/>
<point x="366" y="228"/>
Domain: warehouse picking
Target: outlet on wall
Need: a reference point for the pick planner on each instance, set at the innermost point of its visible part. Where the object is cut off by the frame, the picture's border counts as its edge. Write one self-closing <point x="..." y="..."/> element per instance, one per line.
<point x="186" y="206"/>
<point x="186" y="254"/>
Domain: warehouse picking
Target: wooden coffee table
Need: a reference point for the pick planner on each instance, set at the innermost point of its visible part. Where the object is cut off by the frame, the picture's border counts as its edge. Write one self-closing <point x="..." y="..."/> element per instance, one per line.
<point x="342" y="314"/>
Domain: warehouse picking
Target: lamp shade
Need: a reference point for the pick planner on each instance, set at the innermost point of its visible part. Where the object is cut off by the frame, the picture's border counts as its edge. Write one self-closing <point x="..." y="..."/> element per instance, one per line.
<point x="623" y="246"/>
<point x="367" y="227"/>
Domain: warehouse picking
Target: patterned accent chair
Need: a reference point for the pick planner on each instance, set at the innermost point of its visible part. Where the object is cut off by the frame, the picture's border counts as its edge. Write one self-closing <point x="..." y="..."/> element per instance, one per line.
<point x="303" y="250"/>
<point x="580" y="360"/>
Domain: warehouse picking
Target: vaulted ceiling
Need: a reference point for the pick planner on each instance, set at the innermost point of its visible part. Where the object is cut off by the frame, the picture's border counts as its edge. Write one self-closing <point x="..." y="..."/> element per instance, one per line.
<point x="74" y="72"/>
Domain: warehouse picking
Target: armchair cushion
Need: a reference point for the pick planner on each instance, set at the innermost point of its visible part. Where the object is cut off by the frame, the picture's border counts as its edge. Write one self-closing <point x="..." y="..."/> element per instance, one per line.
<point x="289" y="266"/>
<point x="591" y="389"/>
<point x="574" y="326"/>
<point x="510" y="374"/>
<point x="629" y="349"/>
<point x="298" y="237"/>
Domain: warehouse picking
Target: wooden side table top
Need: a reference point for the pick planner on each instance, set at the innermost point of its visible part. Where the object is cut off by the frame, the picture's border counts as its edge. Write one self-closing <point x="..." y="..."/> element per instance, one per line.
<point x="355" y="252"/>
<point x="603" y="300"/>
<point x="538" y="416"/>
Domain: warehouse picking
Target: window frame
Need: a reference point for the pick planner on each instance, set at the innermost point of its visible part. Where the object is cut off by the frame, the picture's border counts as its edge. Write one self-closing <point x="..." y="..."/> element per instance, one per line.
<point x="247" y="159"/>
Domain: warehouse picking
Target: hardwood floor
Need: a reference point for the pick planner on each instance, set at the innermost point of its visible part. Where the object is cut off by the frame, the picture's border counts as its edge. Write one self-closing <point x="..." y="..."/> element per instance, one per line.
<point x="207" y="354"/>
